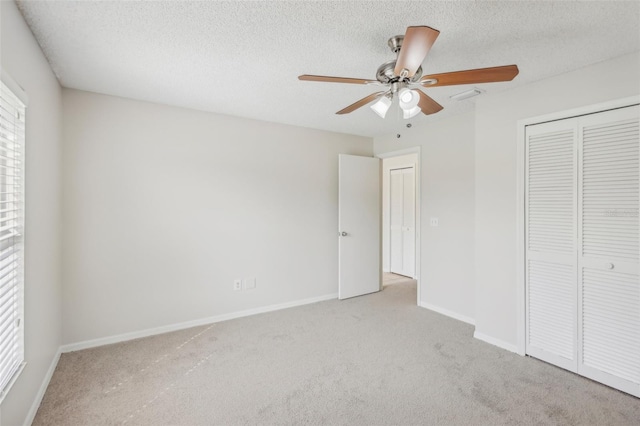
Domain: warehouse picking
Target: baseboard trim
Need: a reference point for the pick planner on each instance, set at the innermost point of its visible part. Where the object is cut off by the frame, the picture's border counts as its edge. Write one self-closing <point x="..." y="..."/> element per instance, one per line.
<point x="188" y="324"/>
<point x="31" y="415"/>
<point x="448" y="313"/>
<point x="496" y="342"/>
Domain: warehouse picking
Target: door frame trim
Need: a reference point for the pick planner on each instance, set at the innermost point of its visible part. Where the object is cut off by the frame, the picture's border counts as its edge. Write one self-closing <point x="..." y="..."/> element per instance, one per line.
<point x="520" y="197"/>
<point x="417" y="174"/>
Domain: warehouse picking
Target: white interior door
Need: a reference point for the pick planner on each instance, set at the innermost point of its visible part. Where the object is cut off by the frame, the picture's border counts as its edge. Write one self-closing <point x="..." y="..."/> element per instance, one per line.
<point x="402" y="229"/>
<point x="396" y="207"/>
<point x="583" y="245"/>
<point x="609" y="290"/>
<point x="551" y="217"/>
<point x="409" y="223"/>
<point x="359" y="225"/>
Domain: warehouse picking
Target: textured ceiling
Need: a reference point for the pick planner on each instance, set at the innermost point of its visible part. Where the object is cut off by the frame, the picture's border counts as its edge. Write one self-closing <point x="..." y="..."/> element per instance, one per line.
<point x="243" y="58"/>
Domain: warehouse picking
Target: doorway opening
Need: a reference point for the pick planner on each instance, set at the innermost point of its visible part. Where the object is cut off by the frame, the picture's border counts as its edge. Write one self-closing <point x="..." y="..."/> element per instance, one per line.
<point x="401" y="218"/>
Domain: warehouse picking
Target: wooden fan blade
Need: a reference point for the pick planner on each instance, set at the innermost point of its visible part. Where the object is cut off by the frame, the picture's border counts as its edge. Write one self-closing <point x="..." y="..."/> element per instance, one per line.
<point x="480" y="75"/>
<point x="427" y="104"/>
<point x="415" y="46"/>
<point x="362" y="102"/>
<point x="326" y="79"/>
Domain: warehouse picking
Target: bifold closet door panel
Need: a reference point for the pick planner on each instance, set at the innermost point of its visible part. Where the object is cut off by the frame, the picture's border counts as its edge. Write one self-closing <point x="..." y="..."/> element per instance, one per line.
<point x="409" y="223"/>
<point x="402" y="221"/>
<point x="396" y="218"/>
<point x="551" y="238"/>
<point x="609" y="247"/>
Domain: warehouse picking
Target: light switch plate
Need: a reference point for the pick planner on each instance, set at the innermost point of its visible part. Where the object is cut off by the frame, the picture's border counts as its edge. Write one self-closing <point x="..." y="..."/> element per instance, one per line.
<point x="250" y="283"/>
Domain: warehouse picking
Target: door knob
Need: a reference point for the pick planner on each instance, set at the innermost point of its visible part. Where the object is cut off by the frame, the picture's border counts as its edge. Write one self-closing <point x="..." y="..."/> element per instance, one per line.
<point x="344" y="234"/>
<point x="610" y="266"/>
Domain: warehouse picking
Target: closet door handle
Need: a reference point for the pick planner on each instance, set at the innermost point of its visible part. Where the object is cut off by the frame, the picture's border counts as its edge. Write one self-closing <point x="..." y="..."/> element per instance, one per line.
<point x="610" y="266"/>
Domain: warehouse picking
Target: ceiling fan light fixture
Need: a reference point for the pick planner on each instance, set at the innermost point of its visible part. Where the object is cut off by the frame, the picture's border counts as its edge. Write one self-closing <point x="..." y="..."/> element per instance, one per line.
<point x="410" y="113"/>
<point x="398" y="75"/>
<point x="381" y="106"/>
<point x="408" y="99"/>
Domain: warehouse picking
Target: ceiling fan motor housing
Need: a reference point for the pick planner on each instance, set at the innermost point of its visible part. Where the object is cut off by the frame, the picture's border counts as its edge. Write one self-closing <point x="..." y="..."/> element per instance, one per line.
<point x="386" y="74"/>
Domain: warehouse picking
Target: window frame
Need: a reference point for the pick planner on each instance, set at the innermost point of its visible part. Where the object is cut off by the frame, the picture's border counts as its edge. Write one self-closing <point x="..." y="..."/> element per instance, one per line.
<point x="19" y="95"/>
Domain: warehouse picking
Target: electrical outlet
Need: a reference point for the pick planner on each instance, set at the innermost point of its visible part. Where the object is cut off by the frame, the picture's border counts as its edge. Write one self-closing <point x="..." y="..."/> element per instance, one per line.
<point x="434" y="221"/>
<point x="250" y="283"/>
<point x="237" y="285"/>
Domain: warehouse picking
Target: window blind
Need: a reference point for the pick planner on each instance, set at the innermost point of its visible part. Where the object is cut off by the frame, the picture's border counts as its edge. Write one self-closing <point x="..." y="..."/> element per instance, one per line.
<point x="12" y="133"/>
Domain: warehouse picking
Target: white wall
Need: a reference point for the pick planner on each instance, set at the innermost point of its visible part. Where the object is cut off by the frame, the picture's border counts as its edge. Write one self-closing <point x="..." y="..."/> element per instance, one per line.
<point x="22" y="59"/>
<point x="164" y="207"/>
<point x="389" y="164"/>
<point x="447" y="192"/>
<point x="496" y="142"/>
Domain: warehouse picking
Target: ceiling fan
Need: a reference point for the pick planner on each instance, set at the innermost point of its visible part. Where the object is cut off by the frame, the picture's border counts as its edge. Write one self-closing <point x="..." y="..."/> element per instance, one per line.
<point x="403" y="76"/>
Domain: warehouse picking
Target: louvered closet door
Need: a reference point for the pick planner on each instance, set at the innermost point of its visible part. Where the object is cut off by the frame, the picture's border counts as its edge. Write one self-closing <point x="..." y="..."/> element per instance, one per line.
<point x="551" y="229"/>
<point x="609" y="291"/>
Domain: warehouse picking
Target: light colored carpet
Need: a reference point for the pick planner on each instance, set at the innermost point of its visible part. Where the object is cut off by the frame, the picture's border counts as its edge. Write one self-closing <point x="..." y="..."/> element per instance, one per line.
<point x="372" y="360"/>
<point x="389" y="278"/>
